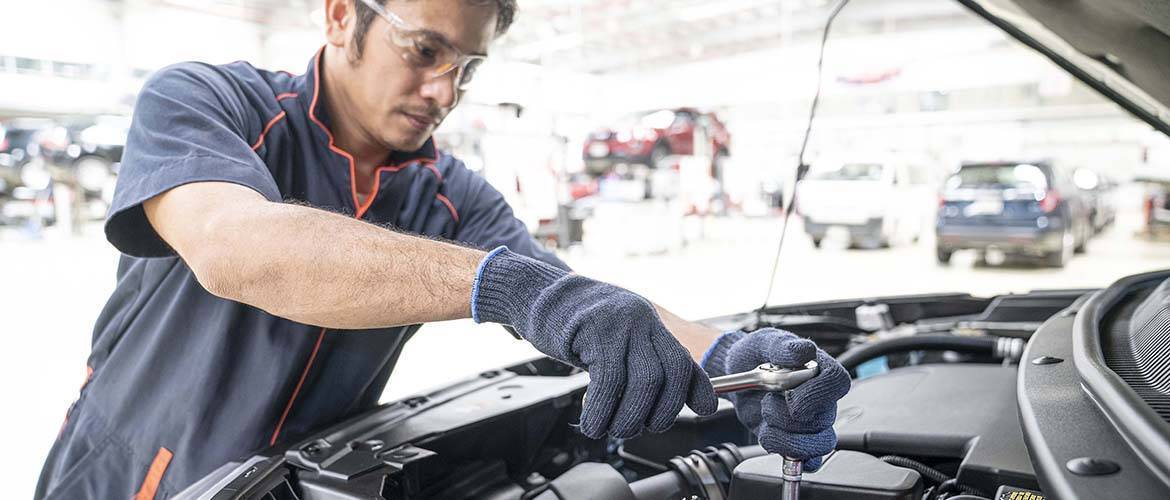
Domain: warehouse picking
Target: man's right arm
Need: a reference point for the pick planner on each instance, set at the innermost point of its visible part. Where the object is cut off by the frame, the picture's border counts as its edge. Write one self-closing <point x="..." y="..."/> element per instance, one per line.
<point x="310" y="265"/>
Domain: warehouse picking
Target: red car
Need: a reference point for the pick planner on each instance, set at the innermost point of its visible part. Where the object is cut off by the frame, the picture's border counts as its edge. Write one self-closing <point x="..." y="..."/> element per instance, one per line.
<point x="647" y="138"/>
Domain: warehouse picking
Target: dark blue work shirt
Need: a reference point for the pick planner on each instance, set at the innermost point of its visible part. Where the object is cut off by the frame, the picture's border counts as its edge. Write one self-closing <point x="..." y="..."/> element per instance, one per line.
<point x="183" y="381"/>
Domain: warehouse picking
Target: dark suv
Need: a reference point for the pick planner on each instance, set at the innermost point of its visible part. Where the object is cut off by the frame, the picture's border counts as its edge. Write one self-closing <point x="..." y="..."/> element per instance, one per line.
<point x="1013" y="208"/>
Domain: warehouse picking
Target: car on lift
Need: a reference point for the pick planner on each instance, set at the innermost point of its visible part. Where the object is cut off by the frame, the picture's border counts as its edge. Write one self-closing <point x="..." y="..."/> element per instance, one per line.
<point x="1057" y="394"/>
<point x="1014" y="208"/>
<point x="648" y="138"/>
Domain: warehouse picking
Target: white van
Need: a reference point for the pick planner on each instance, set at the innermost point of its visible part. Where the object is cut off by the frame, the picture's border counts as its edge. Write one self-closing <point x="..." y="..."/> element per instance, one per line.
<point x="877" y="200"/>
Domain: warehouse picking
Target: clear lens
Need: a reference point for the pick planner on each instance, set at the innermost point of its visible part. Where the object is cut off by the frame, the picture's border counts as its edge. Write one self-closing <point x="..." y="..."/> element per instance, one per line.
<point x="468" y="73"/>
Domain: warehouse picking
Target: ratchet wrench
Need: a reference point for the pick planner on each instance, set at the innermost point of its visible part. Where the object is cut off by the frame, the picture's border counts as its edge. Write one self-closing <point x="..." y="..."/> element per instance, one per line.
<point x="771" y="378"/>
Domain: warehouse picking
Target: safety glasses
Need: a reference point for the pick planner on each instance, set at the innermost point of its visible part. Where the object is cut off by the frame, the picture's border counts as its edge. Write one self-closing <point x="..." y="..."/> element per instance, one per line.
<point x="426" y="51"/>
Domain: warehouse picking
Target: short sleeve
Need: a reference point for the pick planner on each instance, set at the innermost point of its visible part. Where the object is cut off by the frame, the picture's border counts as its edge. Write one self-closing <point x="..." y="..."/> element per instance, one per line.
<point x="487" y="220"/>
<point x="188" y="126"/>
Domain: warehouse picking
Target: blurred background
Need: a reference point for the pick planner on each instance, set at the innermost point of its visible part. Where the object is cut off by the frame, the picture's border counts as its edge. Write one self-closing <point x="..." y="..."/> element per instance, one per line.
<point x="653" y="143"/>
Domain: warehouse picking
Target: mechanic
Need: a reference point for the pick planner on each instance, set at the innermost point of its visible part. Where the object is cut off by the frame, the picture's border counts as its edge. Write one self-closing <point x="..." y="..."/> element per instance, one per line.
<point x="283" y="236"/>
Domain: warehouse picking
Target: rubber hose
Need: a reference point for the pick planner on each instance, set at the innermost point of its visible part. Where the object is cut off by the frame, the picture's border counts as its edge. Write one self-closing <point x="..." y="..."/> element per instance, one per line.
<point x="973" y="345"/>
<point x="953" y="484"/>
<point x="929" y="472"/>
<point x="671" y="485"/>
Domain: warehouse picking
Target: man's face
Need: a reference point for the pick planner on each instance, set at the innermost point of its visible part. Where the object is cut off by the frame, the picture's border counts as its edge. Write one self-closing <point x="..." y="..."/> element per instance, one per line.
<point x="395" y="103"/>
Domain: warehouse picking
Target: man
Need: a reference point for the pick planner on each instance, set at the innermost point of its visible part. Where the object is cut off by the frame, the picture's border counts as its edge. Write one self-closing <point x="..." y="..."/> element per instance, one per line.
<point x="261" y="297"/>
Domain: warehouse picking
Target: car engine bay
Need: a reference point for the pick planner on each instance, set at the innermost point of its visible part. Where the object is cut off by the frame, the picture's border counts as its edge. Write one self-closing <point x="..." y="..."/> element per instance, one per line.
<point x="946" y="403"/>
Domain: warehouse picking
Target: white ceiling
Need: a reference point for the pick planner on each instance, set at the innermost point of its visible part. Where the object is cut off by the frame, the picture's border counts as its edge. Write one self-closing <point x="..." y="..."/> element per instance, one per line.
<point x="617" y="36"/>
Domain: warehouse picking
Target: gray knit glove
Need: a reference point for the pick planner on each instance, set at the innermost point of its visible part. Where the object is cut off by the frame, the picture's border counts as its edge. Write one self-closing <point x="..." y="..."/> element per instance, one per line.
<point x="797" y="423"/>
<point x="639" y="375"/>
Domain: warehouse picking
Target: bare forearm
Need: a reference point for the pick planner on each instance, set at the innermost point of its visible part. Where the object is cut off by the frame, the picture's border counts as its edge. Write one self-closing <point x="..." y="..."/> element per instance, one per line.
<point x="320" y="268"/>
<point x="695" y="337"/>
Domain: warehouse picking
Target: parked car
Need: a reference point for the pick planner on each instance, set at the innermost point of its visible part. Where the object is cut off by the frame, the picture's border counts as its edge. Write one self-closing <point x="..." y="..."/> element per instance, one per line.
<point x="1100" y="192"/>
<point x="25" y="176"/>
<point x="86" y="152"/>
<point x="876" y="199"/>
<point x="1013" y="208"/>
<point x="648" y="138"/>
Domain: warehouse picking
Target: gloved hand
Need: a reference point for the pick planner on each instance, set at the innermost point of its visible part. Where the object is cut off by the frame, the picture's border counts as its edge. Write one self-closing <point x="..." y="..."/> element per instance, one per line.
<point x="797" y="423"/>
<point x="639" y="375"/>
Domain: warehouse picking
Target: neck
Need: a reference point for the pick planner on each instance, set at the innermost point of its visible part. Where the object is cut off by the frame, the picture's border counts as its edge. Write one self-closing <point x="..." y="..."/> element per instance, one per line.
<point x="348" y="135"/>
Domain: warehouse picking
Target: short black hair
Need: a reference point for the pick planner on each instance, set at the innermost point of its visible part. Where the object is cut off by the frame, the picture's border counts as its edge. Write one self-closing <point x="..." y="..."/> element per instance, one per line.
<point x="505" y="14"/>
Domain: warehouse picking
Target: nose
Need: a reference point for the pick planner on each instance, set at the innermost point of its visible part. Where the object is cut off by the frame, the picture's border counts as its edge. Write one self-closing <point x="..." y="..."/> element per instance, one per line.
<point x="442" y="90"/>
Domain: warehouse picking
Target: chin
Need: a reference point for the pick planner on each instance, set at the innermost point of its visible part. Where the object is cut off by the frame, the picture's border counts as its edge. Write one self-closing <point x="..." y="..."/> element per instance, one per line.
<point x="408" y="141"/>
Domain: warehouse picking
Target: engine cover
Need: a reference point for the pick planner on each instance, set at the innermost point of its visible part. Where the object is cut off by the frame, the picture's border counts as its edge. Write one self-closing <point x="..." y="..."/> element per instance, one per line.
<point x="967" y="412"/>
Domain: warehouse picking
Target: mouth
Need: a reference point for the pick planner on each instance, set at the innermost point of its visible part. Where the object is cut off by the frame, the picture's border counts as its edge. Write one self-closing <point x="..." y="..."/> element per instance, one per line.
<point x="419" y="122"/>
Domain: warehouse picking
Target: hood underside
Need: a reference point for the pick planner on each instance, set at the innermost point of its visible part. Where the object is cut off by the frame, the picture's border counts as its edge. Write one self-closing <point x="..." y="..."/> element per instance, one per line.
<point x="1121" y="48"/>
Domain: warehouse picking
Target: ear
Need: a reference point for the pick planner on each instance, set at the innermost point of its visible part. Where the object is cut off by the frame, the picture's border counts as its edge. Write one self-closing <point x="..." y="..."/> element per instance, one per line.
<point x="339" y="21"/>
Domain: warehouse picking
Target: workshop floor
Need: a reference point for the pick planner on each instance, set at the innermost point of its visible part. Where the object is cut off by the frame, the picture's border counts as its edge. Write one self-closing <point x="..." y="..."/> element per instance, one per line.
<point x="54" y="287"/>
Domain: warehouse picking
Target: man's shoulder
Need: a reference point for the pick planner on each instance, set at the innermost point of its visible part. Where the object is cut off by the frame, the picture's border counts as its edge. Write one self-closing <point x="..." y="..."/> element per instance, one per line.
<point x="240" y="79"/>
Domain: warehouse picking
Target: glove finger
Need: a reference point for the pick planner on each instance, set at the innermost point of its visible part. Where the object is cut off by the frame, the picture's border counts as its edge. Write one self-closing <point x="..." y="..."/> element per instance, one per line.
<point x="701" y="397"/>
<point x="770" y="345"/>
<point x="677" y="367"/>
<point x="812" y="465"/>
<point x="830" y="385"/>
<point x="606" y="383"/>
<point x="793" y="353"/>
<point x="643" y="382"/>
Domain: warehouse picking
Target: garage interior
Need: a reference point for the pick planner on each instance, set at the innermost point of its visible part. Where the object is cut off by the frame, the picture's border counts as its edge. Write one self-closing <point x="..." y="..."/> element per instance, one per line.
<point x="924" y="84"/>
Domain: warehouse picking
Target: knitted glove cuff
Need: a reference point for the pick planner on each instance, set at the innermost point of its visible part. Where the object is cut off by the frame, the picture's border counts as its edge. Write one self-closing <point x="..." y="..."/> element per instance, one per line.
<point x="506" y="284"/>
<point x="714" y="361"/>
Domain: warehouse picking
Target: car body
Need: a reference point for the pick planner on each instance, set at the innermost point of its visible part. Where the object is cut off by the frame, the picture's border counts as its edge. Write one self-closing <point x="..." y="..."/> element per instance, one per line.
<point x="648" y="138"/>
<point x="999" y="416"/>
<point x="876" y="199"/>
<point x="1100" y="191"/>
<point x="1021" y="208"/>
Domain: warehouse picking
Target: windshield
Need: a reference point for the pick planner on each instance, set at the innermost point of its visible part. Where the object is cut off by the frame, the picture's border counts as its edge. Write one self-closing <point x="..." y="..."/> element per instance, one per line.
<point x="849" y="172"/>
<point x="999" y="176"/>
<point x="657" y="119"/>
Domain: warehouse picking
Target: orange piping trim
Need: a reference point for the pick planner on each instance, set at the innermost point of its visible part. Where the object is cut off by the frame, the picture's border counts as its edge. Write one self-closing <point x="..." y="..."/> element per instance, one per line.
<point x="154" y="475"/>
<point x="286" y="95"/>
<point x="450" y="206"/>
<point x="271" y="123"/>
<point x="297" y="390"/>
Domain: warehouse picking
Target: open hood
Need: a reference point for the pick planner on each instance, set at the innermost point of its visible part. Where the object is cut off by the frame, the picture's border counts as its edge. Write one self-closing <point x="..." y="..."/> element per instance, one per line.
<point x="1121" y="48"/>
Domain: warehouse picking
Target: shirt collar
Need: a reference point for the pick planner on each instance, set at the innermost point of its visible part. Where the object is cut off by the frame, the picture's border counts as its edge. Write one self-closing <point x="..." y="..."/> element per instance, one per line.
<point x="315" y="108"/>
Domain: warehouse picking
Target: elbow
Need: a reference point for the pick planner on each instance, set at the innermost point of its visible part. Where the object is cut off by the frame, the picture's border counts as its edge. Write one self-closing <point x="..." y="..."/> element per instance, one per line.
<point x="216" y="260"/>
<point x="216" y="273"/>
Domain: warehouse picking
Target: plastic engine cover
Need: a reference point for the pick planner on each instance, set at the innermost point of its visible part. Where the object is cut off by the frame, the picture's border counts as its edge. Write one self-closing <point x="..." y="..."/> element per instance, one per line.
<point x="845" y="475"/>
<point x="966" y="412"/>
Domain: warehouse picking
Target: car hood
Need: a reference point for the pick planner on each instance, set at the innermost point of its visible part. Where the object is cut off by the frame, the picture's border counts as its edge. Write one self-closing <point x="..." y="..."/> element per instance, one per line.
<point x="1120" y="48"/>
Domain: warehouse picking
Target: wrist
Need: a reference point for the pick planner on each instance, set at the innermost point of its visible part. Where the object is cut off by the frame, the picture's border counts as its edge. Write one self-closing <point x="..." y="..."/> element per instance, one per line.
<point x="505" y="283"/>
<point x="714" y="360"/>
